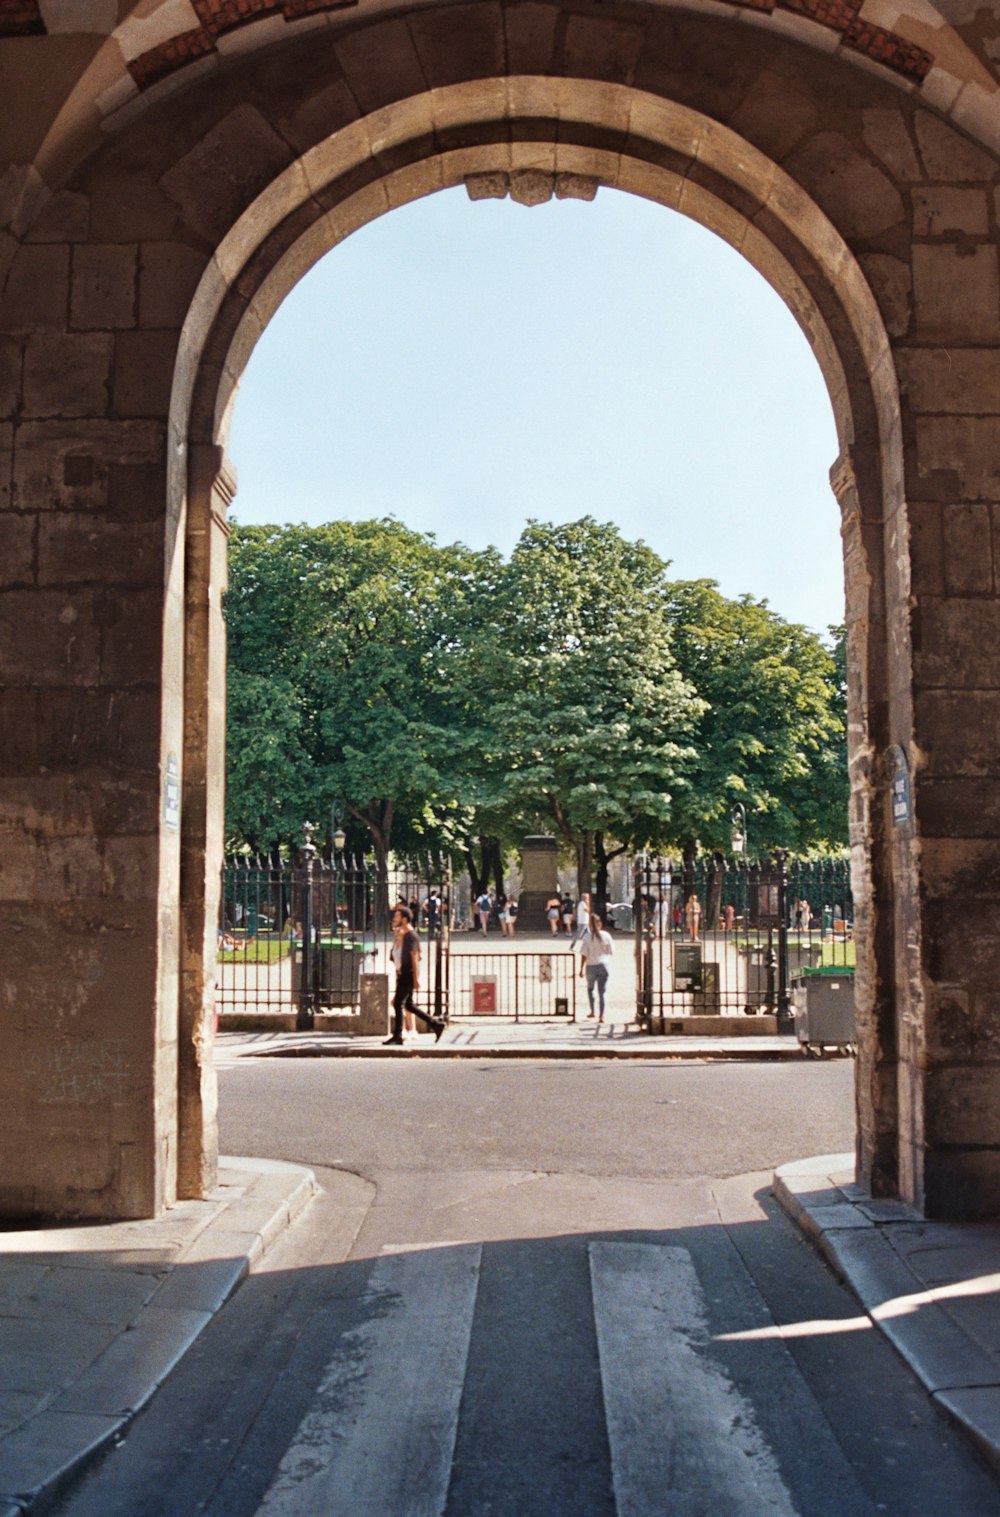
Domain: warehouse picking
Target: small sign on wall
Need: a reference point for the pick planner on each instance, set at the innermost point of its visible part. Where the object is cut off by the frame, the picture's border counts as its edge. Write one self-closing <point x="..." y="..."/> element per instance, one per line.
<point x="899" y="785"/>
<point x="484" y="995"/>
<point x="172" y="794"/>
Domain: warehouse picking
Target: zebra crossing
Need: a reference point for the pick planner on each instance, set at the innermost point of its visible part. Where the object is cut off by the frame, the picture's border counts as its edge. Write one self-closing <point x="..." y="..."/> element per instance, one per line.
<point x="379" y="1440"/>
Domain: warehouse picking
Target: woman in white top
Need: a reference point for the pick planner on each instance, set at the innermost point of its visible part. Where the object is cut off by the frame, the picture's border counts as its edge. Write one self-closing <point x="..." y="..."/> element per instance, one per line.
<point x="596" y="949"/>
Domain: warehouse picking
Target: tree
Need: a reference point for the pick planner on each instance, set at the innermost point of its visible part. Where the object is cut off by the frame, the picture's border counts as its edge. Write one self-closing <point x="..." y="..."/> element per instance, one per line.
<point x="771" y="731"/>
<point x="589" y="717"/>
<point x="333" y="635"/>
<point x="452" y="701"/>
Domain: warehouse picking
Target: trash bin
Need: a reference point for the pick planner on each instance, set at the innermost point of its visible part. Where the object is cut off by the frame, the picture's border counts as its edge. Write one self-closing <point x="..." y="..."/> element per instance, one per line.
<point x="336" y="972"/>
<point x="339" y="966"/>
<point x="823" y="1000"/>
<point x="800" y="956"/>
<point x="707" y="999"/>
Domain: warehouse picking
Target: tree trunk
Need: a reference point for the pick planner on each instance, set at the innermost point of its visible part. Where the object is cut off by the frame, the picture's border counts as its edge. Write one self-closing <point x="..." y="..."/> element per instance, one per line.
<point x="476" y="879"/>
<point x="584" y="863"/>
<point x="489" y="862"/>
<point x="493" y="863"/>
<point x="603" y="862"/>
<point x="378" y="819"/>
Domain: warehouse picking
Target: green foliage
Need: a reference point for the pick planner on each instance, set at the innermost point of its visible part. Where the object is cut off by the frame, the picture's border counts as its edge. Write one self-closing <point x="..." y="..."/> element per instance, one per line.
<point x="448" y="698"/>
<point x="333" y="633"/>
<point x="591" y="718"/>
<point x="772" y="732"/>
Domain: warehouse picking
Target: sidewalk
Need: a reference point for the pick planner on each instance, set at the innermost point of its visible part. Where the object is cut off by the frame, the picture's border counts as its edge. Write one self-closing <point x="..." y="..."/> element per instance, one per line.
<point x="472" y="1039"/>
<point x="94" y="1316"/>
<point x="932" y="1288"/>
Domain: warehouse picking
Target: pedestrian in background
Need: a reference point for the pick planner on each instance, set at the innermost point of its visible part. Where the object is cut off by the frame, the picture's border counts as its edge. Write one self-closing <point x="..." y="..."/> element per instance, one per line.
<point x="596" y="949"/>
<point x="405" y="955"/>
<point x="582" y="919"/>
<point x="484" y="906"/>
<point x="552" y="912"/>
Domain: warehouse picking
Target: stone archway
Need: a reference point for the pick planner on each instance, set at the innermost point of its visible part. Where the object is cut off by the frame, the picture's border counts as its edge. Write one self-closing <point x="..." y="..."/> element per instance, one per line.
<point x="135" y="296"/>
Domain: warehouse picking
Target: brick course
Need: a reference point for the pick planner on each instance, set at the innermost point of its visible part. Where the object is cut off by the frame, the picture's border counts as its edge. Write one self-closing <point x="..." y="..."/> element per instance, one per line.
<point x="23" y="18"/>
<point x="221" y="16"/>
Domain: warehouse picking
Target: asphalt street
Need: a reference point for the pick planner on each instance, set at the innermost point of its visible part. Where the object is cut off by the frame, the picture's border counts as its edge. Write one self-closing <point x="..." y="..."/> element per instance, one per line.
<point x="539" y="1290"/>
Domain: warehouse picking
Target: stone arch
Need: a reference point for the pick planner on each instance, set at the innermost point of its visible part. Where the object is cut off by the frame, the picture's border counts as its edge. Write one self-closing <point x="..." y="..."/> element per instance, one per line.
<point x="136" y="291"/>
<point x="786" y="237"/>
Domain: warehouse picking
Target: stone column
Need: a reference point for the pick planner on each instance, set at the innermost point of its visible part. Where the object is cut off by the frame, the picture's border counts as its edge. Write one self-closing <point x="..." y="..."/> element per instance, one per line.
<point x="90" y="754"/>
<point x="539" y="881"/>
<point x="875" y="1004"/>
<point x="212" y="488"/>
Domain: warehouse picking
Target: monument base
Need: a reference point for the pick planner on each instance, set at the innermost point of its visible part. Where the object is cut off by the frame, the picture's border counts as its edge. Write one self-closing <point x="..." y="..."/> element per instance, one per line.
<point x="531" y="910"/>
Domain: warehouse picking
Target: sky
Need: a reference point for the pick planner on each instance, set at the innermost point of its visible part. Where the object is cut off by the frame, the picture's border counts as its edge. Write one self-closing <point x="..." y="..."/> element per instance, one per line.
<point x="467" y="366"/>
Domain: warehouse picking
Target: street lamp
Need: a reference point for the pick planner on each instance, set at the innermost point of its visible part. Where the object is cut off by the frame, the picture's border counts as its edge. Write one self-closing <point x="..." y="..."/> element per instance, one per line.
<point x="740" y="838"/>
<point x="338" y="837"/>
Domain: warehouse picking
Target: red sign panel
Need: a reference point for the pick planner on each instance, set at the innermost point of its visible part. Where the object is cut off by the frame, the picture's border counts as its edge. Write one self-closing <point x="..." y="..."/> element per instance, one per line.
<point x="484" y="995"/>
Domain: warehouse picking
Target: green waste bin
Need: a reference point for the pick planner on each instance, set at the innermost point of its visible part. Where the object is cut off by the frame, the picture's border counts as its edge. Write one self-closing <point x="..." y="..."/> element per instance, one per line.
<point x="824" y="1008"/>
<point x="339" y="966"/>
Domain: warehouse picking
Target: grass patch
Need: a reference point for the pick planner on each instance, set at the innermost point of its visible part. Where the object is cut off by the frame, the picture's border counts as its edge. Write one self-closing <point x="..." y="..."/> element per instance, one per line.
<point x="839" y="954"/>
<point x="256" y="951"/>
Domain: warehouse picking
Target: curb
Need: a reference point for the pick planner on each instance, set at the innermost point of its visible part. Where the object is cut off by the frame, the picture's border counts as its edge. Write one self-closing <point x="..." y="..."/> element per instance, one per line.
<point x="599" y="1051"/>
<point x="853" y="1234"/>
<point x="88" y="1415"/>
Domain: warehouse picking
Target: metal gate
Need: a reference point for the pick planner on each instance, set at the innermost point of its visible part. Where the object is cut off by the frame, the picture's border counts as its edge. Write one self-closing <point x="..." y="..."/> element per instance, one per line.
<point x="714" y="938"/>
<point x="297" y="935"/>
<point x="524" y="987"/>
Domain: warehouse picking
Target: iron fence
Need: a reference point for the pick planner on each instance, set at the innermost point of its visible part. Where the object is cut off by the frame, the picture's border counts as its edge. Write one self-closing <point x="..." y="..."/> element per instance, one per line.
<point x="720" y="938"/>
<point x="522" y="986"/>
<point x="298" y="934"/>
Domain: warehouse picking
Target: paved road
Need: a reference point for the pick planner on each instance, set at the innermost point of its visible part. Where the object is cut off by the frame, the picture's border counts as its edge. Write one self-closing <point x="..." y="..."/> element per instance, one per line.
<point x="536" y="1292"/>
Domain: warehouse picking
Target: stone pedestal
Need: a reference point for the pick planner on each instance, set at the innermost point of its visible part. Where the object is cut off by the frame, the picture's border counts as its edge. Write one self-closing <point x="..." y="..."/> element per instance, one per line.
<point x="539" y="881"/>
<point x="374" y="1019"/>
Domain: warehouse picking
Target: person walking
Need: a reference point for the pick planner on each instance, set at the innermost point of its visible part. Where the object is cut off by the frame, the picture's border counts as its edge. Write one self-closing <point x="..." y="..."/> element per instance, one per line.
<point x="432" y="913"/>
<point x="405" y="955"/>
<point x="508" y="911"/>
<point x="552" y="912"/>
<point x="596" y="949"/>
<point x="692" y="916"/>
<point x="484" y="907"/>
<point x="582" y="919"/>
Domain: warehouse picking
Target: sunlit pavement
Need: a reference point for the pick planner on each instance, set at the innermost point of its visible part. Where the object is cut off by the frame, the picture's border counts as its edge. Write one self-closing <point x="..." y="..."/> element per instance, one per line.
<point x="98" y="1316"/>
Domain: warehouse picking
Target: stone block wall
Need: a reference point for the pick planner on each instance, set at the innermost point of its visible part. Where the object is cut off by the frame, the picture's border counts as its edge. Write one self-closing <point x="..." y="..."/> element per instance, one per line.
<point x="136" y="284"/>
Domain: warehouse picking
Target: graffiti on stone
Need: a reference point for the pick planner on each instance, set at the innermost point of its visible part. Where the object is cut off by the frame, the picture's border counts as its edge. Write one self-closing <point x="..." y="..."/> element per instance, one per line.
<point x="79" y="1073"/>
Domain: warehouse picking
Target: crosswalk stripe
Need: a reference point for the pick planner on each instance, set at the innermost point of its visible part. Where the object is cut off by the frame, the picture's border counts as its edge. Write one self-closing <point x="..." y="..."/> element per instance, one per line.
<point x="680" y="1432"/>
<point x="380" y="1440"/>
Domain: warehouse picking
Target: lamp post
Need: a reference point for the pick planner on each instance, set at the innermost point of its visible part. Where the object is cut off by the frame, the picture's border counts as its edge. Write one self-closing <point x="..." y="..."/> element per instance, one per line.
<point x="338" y="841"/>
<point x="304" y="1018"/>
<point x="784" y="1006"/>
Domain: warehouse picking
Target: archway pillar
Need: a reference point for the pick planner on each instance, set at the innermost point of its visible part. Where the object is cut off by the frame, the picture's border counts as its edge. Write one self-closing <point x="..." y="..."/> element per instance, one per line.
<point x="89" y="809"/>
<point x="212" y="486"/>
<point x="951" y="394"/>
<point x="875" y="1002"/>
